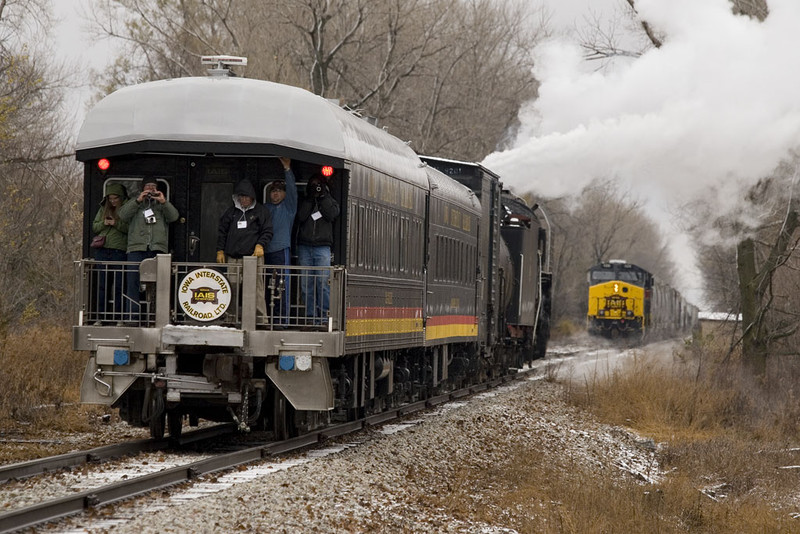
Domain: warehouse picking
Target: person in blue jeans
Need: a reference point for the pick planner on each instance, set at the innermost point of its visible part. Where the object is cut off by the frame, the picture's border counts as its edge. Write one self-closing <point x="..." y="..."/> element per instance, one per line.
<point x="315" y="216"/>
<point x="282" y="204"/>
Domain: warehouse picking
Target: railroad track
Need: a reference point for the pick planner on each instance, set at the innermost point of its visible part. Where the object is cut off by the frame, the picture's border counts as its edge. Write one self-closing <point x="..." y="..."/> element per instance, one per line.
<point x="38" y="514"/>
<point x="71" y="460"/>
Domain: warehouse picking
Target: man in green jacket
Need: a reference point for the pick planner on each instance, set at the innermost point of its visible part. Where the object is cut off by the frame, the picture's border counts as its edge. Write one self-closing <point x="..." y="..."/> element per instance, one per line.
<point x="148" y="217"/>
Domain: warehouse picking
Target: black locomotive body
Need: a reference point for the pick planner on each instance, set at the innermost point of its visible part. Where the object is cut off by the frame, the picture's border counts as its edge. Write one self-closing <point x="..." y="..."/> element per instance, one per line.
<point x="424" y="295"/>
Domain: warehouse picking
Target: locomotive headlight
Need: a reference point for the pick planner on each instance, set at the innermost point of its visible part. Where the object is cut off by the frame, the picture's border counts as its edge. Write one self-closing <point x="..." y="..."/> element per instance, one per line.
<point x="629" y="313"/>
<point x="601" y="313"/>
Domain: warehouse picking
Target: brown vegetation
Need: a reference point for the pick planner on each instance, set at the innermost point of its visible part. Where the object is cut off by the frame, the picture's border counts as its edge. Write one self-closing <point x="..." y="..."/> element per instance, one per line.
<point x="726" y="446"/>
<point x="41" y="377"/>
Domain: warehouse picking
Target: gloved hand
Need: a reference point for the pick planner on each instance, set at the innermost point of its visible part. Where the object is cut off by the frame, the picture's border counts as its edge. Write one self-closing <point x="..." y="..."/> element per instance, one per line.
<point x="259" y="251"/>
<point x="220" y="256"/>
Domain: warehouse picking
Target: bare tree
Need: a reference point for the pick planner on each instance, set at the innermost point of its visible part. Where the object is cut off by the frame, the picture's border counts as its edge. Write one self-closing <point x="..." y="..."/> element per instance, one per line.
<point x="448" y="75"/>
<point x="757" y="271"/>
<point x="752" y="267"/>
<point x="604" y="222"/>
<point x="603" y="39"/>
<point x="464" y="100"/>
<point x="39" y="229"/>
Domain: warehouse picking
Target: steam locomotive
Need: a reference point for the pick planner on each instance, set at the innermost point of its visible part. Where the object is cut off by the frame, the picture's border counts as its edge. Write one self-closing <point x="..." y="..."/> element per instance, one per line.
<point x="438" y="279"/>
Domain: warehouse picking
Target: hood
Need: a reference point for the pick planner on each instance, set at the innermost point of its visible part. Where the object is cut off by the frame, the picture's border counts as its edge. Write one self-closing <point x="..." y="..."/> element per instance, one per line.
<point x="244" y="188"/>
<point x="115" y="189"/>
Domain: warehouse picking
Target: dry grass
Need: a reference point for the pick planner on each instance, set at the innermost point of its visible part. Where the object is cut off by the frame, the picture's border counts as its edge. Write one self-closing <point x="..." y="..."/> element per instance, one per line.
<point x="724" y="442"/>
<point x="566" y="328"/>
<point x="40" y="413"/>
<point x="41" y="376"/>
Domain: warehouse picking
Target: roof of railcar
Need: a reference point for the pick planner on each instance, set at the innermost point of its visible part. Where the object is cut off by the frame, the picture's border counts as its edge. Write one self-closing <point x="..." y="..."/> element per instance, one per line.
<point x="228" y="115"/>
<point x="618" y="265"/>
<point x="444" y="187"/>
<point x="458" y="165"/>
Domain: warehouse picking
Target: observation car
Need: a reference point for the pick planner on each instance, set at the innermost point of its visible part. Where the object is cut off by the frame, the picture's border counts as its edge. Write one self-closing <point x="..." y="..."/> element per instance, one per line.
<point x="421" y="283"/>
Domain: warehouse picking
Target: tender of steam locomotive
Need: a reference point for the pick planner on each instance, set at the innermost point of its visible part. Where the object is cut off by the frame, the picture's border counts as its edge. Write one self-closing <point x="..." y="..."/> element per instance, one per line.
<point x="424" y="294"/>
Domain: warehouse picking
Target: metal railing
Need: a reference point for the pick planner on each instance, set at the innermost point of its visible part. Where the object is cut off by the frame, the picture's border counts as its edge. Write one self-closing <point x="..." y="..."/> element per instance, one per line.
<point x="154" y="293"/>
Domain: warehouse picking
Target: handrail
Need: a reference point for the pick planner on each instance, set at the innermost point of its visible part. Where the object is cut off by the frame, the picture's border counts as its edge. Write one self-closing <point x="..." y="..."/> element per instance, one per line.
<point x="102" y="297"/>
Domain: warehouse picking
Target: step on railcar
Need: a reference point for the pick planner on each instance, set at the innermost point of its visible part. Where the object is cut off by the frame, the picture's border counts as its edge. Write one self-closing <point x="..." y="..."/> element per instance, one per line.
<point x="417" y="305"/>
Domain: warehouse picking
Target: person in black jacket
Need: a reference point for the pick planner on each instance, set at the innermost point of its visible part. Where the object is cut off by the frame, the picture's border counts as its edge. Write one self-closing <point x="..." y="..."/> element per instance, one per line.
<point x="245" y="229"/>
<point x="315" y="216"/>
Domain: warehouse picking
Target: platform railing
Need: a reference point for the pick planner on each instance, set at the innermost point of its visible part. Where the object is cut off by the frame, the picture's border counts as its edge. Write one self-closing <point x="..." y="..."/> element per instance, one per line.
<point x="294" y="297"/>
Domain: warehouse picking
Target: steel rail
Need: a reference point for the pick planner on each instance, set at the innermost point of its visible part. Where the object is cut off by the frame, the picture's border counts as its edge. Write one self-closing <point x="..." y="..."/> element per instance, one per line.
<point x="98" y="497"/>
<point x="49" y="464"/>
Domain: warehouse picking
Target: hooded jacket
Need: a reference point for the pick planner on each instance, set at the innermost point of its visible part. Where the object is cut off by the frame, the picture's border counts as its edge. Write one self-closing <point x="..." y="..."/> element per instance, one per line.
<point x="316" y="231"/>
<point x="116" y="235"/>
<point x="143" y="236"/>
<point x="240" y="229"/>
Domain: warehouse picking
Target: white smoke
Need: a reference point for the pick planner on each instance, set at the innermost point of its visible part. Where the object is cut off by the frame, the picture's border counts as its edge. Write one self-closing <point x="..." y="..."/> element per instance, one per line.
<point x="706" y="115"/>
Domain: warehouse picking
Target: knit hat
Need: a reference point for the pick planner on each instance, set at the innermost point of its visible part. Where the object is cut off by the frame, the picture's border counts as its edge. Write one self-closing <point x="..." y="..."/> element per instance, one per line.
<point x="149" y="180"/>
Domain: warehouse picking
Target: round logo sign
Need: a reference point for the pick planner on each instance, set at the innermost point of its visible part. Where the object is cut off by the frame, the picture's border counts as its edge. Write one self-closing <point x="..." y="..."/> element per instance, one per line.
<point x="204" y="294"/>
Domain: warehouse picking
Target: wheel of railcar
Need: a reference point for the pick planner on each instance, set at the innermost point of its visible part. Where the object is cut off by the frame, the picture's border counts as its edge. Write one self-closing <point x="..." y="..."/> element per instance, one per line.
<point x="157" y="414"/>
<point x="175" y="424"/>
<point x="282" y="416"/>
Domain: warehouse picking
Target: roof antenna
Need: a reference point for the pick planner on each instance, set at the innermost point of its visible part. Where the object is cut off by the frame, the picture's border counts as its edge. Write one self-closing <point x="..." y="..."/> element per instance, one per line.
<point x="223" y="64"/>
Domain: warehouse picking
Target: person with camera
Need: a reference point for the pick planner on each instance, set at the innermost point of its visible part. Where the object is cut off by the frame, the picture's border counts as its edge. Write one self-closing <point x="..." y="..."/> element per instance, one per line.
<point x="315" y="216"/>
<point x="245" y="229"/>
<point x="109" y="244"/>
<point x="282" y="206"/>
<point x="148" y="218"/>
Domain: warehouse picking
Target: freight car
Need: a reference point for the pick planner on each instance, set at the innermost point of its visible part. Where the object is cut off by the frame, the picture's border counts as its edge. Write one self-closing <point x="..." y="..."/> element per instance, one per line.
<point x="625" y="300"/>
<point x="425" y="293"/>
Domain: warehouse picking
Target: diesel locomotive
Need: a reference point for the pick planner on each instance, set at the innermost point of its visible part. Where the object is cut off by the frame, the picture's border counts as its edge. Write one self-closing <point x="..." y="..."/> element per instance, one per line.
<point x="438" y="277"/>
<point x="625" y="300"/>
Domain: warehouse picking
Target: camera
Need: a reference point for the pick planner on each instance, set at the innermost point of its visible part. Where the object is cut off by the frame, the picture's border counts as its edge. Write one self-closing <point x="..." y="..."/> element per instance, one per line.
<point x="150" y="220"/>
<point x="318" y="189"/>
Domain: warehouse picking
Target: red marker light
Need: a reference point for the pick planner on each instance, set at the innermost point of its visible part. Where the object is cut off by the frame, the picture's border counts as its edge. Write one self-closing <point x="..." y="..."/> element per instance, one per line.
<point x="327" y="171"/>
<point x="103" y="164"/>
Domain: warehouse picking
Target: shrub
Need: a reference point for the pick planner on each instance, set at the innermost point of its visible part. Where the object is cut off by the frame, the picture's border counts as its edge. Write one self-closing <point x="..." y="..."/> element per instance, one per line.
<point x="38" y="368"/>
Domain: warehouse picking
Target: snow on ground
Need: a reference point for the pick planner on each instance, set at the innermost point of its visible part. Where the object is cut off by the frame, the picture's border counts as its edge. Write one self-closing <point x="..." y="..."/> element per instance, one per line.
<point x="383" y="477"/>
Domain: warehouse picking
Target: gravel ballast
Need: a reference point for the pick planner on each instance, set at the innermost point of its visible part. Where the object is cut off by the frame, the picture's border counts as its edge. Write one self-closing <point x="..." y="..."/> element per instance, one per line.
<point x="383" y="480"/>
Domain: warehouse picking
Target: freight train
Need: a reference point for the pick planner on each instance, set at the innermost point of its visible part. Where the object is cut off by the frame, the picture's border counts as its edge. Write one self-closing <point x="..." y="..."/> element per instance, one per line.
<point x="438" y="277"/>
<point x="626" y="301"/>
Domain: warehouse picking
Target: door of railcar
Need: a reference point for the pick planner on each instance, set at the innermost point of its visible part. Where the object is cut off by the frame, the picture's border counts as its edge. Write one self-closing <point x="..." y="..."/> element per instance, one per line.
<point x="208" y="193"/>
